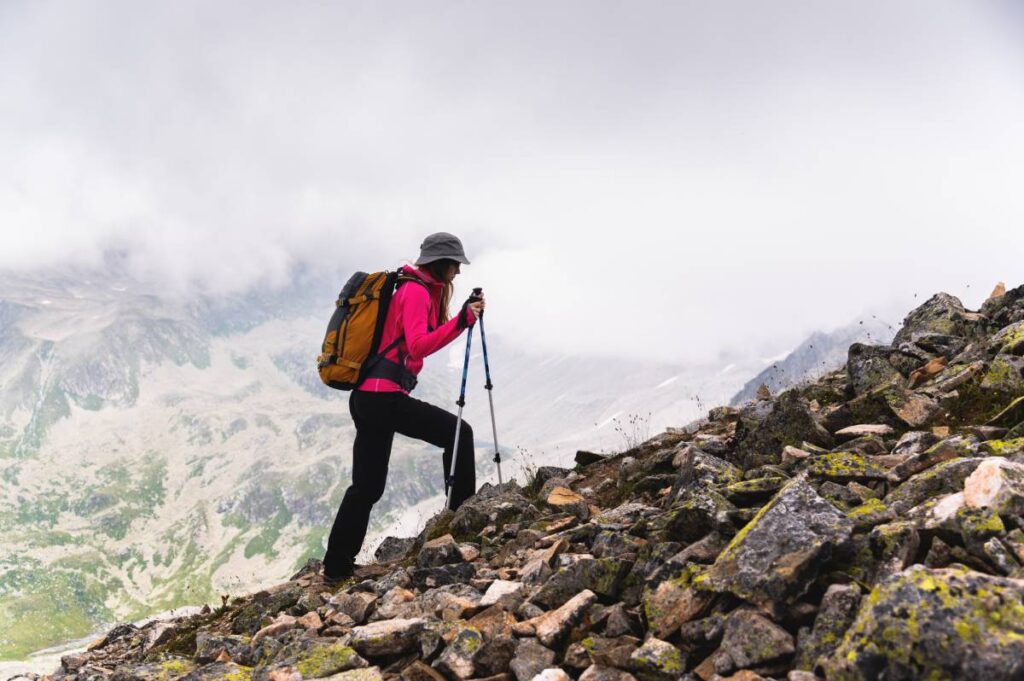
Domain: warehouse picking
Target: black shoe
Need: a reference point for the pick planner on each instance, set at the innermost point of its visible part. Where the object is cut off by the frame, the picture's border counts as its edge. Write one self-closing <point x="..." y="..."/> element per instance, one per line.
<point x="339" y="577"/>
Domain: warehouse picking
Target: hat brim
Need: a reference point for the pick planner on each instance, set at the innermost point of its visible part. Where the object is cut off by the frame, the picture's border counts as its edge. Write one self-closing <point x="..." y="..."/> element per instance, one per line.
<point x="424" y="260"/>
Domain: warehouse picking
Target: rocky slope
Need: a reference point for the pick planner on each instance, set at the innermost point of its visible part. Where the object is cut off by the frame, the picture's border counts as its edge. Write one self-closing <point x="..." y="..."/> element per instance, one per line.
<point x="158" y="450"/>
<point x="869" y="525"/>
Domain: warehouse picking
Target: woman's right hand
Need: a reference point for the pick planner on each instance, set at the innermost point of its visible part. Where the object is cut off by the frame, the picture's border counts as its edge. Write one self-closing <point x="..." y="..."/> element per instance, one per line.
<point x="474" y="305"/>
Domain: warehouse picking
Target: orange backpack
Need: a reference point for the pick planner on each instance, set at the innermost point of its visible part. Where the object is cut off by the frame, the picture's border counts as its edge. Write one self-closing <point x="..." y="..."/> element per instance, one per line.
<point x="356" y="327"/>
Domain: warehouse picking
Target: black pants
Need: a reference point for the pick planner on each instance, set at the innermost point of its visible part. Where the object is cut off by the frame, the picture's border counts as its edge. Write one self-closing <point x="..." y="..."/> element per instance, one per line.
<point x="378" y="416"/>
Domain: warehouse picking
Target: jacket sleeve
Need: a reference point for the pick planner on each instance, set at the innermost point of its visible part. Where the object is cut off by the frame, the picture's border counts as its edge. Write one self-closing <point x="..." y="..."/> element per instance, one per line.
<point x="419" y="341"/>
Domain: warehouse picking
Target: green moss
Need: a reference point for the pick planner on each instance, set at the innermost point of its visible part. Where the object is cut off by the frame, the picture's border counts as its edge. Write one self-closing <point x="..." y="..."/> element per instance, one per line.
<point x="176" y="666"/>
<point x="325" y="660"/>
<point x="1003" y="447"/>
<point x="869" y="507"/>
<point x="979" y="523"/>
<point x="842" y="466"/>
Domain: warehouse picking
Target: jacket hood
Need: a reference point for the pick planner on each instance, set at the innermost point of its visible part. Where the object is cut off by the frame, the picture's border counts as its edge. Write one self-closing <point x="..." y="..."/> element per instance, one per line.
<point x="422" y="275"/>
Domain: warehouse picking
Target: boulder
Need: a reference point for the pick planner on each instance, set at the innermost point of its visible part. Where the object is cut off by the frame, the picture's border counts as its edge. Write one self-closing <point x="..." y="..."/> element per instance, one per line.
<point x="941" y="317"/>
<point x="949" y="623"/>
<point x="776" y="556"/>
<point x="868" y="367"/>
<point x="790" y="422"/>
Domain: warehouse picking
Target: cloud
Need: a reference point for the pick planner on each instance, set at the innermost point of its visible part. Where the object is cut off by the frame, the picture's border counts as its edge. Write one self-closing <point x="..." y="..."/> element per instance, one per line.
<point x="653" y="179"/>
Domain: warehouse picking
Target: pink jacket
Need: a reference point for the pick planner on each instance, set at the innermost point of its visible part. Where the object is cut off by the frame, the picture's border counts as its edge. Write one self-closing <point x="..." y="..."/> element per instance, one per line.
<point x="413" y="311"/>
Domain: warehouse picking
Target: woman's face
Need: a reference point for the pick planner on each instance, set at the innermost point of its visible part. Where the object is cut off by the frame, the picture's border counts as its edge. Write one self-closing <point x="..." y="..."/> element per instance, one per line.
<point x="452" y="271"/>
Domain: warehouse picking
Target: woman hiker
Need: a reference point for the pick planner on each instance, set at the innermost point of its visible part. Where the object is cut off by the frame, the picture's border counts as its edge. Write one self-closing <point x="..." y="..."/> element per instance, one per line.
<point x="382" y="406"/>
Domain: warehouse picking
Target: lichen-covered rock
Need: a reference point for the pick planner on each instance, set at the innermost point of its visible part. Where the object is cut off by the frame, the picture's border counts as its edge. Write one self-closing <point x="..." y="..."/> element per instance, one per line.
<point x="945" y="478"/>
<point x="868" y="367"/>
<point x="457" y="658"/>
<point x="940" y="315"/>
<point x="320" y="657"/>
<point x="914" y="409"/>
<point x="958" y="446"/>
<point x="603" y="576"/>
<point x="752" y="640"/>
<point x="657" y="660"/>
<point x="552" y="627"/>
<point x="950" y="623"/>
<point x="675" y="601"/>
<point x="387" y="637"/>
<point x="1008" y="447"/>
<point x="844" y="467"/>
<point x="209" y="646"/>
<point x="698" y="512"/>
<point x="838" y="609"/>
<point x="773" y="559"/>
<point x="1005" y="378"/>
<point x="249" y="618"/>
<point x="216" y="672"/>
<point x="790" y="422"/>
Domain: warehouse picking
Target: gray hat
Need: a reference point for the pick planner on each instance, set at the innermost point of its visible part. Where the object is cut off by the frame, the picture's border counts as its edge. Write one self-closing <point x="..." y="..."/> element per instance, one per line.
<point x="439" y="246"/>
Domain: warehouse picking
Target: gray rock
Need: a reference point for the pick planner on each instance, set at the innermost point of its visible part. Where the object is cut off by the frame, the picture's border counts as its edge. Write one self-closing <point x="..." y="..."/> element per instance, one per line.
<point x="944" y="478"/>
<point x="752" y="640"/>
<point x="492" y="505"/>
<point x="210" y="645"/>
<point x="429" y="578"/>
<point x="776" y="556"/>
<point x="603" y="576"/>
<point x="914" y="442"/>
<point x="836" y="614"/>
<point x="388" y="637"/>
<point x="531" y="658"/>
<point x="942" y="315"/>
<point x="790" y="422"/>
<point x="394" y="549"/>
<point x="657" y="660"/>
<point x="457" y="659"/>
<point x="868" y="367"/>
<point x="441" y="551"/>
<point x="552" y="627"/>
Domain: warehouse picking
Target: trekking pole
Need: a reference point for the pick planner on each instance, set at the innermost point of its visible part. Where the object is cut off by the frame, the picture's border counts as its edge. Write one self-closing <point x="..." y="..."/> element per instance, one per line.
<point x="458" y="423"/>
<point x="490" y="396"/>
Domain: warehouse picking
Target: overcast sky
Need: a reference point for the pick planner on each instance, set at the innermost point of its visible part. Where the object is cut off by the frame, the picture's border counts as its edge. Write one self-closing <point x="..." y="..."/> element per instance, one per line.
<point x="630" y="178"/>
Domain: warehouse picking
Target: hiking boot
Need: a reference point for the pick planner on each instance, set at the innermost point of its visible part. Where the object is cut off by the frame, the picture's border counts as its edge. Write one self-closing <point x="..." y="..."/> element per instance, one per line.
<point x="339" y="577"/>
